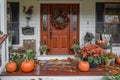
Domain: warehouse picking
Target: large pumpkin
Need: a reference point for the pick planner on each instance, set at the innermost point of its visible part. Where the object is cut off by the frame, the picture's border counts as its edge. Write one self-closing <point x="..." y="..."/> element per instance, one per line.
<point x="27" y="66"/>
<point x="84" y="66"/>
<point x="118" y="60"/>
<point x="11" y="66"/>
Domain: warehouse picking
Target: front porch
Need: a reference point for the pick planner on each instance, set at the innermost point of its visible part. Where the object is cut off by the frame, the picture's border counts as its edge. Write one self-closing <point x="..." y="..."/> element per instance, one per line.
<point x="84" y="17"/>
<point x="51" y="70"/>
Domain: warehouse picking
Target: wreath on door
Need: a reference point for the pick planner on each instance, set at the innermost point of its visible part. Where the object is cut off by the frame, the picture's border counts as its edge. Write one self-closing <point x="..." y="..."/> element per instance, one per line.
<point x="59" y="18"/>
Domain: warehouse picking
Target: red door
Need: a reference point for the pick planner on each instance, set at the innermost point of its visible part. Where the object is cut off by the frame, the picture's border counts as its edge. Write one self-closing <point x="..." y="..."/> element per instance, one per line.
<point x="59" y="26"/>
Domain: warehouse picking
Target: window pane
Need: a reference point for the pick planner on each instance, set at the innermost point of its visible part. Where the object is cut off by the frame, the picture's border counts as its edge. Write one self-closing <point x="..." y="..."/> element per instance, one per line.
<point x="115" y="31"/>
<point x="13" y="21"/>
<point x="44" y="20"/>
<point x="74" y="20"/>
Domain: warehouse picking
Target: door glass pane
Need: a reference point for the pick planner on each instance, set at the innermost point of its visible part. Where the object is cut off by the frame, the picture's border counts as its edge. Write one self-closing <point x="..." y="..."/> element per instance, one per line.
<point x="44" y="21"/>
<point x="74" y="19"/>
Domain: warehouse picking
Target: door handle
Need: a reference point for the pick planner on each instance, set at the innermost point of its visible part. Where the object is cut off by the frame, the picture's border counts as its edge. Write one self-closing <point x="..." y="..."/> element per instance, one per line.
<point x="50" y="34"/>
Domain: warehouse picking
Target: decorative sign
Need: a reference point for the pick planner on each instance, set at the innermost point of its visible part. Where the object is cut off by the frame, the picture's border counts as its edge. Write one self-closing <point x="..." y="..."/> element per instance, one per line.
<point x="28" y="30"/>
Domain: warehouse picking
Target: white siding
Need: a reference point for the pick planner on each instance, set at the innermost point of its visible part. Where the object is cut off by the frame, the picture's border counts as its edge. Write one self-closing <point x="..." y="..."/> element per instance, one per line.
<point x="87" y="14"/>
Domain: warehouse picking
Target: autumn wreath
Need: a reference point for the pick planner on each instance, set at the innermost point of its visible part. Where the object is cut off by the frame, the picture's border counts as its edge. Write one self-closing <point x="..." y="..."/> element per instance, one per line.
<point x="59" y="19"/>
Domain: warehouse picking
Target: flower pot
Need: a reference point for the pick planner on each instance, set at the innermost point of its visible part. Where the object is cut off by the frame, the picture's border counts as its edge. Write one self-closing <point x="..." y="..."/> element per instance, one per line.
<point x="108" y="62"/>
<point x="44" y="53"/>
<point x="93" y="65"/>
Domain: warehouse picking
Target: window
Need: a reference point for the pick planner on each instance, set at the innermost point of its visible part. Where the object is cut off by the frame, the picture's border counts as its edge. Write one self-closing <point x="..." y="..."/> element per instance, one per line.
<point x="108" y="20"/>
<point x="13" y="20"/>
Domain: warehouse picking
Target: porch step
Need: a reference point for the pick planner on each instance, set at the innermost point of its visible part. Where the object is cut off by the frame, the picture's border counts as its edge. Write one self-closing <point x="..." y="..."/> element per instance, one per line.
<point x="48" y="57"/>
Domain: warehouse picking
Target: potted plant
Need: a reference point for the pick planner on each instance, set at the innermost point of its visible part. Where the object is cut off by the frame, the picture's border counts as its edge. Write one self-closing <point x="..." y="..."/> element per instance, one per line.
<point x="18" y="58"/>
<point x="22" y="56"/>
<point x="43" y="47"/>
<point x="28" y="64"/>
<point x="11" y="66"/>
<point x="113" y="77"/>
<point x="75" y="47"/>
<point x="109" y="58"/>
<point x="92" y="53"/>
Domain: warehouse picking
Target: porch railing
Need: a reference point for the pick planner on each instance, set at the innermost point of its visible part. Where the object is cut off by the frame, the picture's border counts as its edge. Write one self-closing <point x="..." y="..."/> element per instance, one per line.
<point x="3" y="52"/>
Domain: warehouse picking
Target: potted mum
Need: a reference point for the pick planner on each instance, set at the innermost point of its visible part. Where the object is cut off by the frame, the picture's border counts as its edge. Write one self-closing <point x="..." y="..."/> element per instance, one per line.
<point x="92" y="53"/>
<point x="24" y="59"/>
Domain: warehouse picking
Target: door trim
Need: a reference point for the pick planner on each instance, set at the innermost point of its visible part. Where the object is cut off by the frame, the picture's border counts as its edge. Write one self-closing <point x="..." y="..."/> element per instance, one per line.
<point x="70" y="29"/>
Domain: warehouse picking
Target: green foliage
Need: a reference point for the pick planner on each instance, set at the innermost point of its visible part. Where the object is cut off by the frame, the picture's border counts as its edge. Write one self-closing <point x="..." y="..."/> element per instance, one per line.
<point x="43" y="48"/>
<point x="96" y="60"/>
<point x="10" y="47"/>
<point x="15" y="56"/>
<point x="109" y="56"/>
<point x="11" y="34"/>
<point x="19" y="58"/>
<point x="76" y="48"/>
<point x="109" y="77"/>
<point x="30" y="54"/>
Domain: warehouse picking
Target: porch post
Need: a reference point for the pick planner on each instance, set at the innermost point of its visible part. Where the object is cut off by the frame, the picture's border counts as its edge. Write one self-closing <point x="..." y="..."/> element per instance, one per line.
<point x="3" y="28"/>
<point x="3" y="10"/>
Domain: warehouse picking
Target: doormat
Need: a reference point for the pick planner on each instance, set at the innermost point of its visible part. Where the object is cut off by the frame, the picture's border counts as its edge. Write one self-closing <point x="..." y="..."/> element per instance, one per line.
<point x="53" y="62"/>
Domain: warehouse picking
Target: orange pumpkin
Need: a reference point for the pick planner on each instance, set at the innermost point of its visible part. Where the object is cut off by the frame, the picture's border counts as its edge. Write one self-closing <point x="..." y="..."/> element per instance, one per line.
<point x="118" y="60"/>
<point x="27" y="66"/>
<point x="84" y="66"/>
<point x="11" y="66"/>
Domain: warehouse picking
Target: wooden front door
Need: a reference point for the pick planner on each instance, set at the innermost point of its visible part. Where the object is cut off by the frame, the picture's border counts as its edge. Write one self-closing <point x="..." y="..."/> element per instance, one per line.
<point x="59" y="26"/>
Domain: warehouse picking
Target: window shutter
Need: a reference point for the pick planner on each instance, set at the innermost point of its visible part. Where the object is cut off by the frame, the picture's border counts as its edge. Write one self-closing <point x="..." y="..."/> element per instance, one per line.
<point x="14" y="21"/>
<point x="99" y="17"/>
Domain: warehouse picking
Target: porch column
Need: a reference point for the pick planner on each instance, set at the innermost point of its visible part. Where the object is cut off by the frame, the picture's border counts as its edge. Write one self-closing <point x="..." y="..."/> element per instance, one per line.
<point x="3" y="15"/>
<point x="3" y="28"/>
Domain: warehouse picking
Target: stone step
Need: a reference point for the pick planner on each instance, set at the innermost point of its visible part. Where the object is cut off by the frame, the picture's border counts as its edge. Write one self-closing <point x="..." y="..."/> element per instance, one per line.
<point x="48" y="57"/>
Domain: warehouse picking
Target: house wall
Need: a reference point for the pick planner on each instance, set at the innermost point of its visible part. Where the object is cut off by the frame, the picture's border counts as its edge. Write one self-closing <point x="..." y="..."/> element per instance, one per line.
<point x="87" y="14"/>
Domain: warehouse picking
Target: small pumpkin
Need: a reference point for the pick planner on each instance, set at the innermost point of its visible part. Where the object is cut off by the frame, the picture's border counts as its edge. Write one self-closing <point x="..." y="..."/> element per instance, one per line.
<point x="118" y="60"/>
<point x="11" y="66"/>
<point x="84" y="66"/>
<point x="27" y="66"/>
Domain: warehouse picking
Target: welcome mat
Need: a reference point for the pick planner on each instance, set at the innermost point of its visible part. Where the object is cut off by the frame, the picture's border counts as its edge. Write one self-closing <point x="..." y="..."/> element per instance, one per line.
<point x="52" y="62"/>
